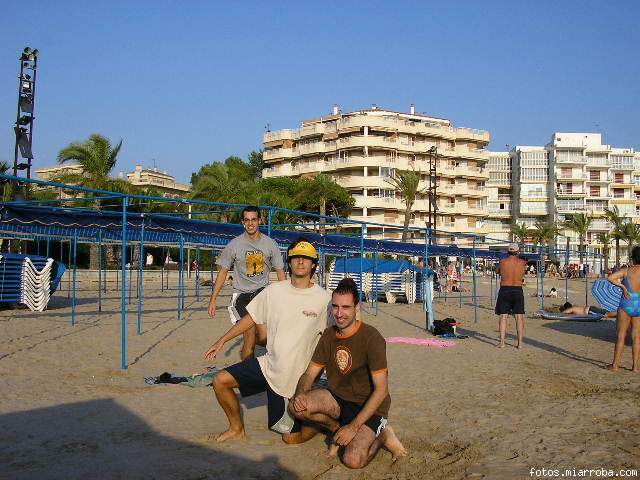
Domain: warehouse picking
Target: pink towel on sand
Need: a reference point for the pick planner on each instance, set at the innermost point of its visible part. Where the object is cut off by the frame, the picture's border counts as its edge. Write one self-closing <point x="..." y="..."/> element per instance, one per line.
<point x="427" y="342"/>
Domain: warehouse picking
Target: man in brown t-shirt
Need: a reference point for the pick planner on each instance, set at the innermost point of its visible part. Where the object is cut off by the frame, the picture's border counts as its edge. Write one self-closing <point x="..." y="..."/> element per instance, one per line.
<point x="356" y="404"/>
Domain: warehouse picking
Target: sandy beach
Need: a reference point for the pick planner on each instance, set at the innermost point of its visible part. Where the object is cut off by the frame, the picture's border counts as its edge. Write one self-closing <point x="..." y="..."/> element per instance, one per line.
<point x="68" y="411"/>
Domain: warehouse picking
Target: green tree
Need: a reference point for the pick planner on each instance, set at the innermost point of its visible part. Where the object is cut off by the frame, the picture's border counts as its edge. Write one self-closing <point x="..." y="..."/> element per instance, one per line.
<point x="605" y="239"/>
<point x="631" y="234"/>
<point x="519" y="233"/>
<point x="322" y="190"/>
<point x="228" y="182"/>
<point x="256" y="162"/>
<point x="406" y="183"/>
<point x="617" y="220"/>
<point x="6" y="186"/>
<point x="579" y="223"/>
<point x="543" y="233"/>
<point x="97" y="158"/>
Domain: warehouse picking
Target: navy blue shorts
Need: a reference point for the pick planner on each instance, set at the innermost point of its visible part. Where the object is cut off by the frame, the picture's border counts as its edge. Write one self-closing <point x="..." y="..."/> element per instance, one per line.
<point x="251" y="382"/>
<point x="510" y="301"/>
<point x="350" y="410"/>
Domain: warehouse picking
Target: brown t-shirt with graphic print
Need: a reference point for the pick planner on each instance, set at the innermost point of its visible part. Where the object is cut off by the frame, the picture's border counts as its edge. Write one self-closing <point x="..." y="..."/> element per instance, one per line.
<point x="351" y="360"/>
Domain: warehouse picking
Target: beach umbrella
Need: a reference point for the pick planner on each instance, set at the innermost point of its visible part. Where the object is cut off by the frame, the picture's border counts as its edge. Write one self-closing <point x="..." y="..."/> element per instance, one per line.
<point x="607" y="294"/>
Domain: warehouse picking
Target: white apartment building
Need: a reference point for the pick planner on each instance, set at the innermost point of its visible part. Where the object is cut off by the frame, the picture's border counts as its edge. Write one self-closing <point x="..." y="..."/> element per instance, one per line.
<point x="159" y="180"/>
<point x="574" y="173"/>
<point x="361" y="150"/>
<point x="500" y="195"/>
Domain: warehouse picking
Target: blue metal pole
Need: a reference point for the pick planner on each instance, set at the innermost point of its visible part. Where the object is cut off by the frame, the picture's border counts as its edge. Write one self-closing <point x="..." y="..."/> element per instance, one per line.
<point x="69" y="275"/>
<point x="198" y="274"/>
<point x="212" y="262"/>
<point x="269" y="221"/>
<point x="162" y="271"/>
<point x="75" y="258"/>
<point x="140" y="272"/>
<point x="123" y="306"/>
<point x="376" y="280"/>
<point x="180" y="279"/>
<point x="362" y="230"/>
<point x="475" y="300"/>
<point x="460" y="281"/>
<point x="542" y="270"/>
<point x="99" y="270"/>
<point x="566" y="272"/>
<point x="130" y="274"/>
<point x="48" y="245"/>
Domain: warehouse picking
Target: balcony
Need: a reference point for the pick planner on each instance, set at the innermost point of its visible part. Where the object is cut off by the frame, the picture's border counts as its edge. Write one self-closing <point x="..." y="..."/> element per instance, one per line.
<point x="573" y="160"/>
<point x="570" y="193"/>
<point x="568" y="177"/>
<point x="605" y="179"/>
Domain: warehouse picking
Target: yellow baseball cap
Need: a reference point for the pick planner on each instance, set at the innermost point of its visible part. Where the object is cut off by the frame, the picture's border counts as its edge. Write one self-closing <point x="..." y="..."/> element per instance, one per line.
<point x="303" y="249"/>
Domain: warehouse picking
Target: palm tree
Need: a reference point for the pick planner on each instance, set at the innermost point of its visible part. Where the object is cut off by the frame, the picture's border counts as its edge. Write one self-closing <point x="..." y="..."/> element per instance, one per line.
<point x="605" y="239"/>
<point x="97" y="158"/>
<point x="630" y="233"/>
<point x="519" y="233"/>
<point x="321" y="189"/>
<point x="579" y="223"/>
<point x="406" y="183"/>
<point x="544" y="233"/>
<point x="613" y="215"/>
<point x="6" y="186"/>
<point x="219" y="182"/>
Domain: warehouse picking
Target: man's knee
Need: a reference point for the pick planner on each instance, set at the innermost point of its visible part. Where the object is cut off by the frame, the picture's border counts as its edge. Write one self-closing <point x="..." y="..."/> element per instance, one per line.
<point x="223" y="380"/>
<point x="354" y="458"/>
<point x="292" y="438"/>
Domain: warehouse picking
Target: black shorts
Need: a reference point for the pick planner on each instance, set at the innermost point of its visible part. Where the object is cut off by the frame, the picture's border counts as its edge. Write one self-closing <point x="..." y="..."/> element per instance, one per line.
<point x="597" y="310"/>
<point x="239" y="302"/>
<point x="251" y="381"/>
<point x="510" y="301"/>
<point x="350" y="410"/>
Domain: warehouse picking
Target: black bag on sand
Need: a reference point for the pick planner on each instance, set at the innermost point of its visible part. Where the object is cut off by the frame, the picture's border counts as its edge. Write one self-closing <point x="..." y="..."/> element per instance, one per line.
<point x="442" y="327"/>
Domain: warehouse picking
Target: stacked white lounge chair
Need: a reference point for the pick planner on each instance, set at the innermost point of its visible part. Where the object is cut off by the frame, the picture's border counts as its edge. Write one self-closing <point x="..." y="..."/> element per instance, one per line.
<point x="30" y="280"/>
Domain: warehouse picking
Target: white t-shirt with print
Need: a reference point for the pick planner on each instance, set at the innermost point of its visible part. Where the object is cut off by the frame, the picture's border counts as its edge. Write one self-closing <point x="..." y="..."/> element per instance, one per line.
<point x="295" y="319"/>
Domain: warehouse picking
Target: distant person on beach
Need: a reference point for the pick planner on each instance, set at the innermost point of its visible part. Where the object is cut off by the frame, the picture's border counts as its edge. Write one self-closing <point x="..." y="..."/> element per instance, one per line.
<point x="628" y="279"/>
<point x="510" y="296"/>
<point x="586" y="310"/>
<point x="291" y="315"/>
<point x="356" y="403"/>
<point x="252" y="255"/>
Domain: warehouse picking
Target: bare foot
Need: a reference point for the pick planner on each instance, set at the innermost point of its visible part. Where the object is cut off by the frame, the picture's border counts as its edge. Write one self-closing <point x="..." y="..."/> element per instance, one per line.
<point x="333" y="451"/>
<point x="392" y="443"/>
<point x="613" y="368"/>
<point x="227" y="435"/>
<point x="519" y="346"/>
<point x="500" y="345"/>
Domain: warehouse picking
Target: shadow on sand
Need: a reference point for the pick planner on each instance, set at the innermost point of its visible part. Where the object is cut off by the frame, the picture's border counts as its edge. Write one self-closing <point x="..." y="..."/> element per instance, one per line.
<point x="102" y="440"/>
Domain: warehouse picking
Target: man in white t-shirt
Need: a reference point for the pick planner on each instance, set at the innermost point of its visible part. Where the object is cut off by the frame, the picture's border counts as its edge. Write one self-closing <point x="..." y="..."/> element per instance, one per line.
<point x="292" y="316"/>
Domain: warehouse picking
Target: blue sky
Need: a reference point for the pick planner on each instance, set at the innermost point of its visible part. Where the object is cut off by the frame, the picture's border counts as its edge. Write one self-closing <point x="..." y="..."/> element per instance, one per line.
<point x="189" y="83"/>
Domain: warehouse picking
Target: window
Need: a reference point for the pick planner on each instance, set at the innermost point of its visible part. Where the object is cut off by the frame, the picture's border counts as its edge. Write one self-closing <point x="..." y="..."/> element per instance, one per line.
<point x="618" y="178"/>
<point x="594" y="191"/>
<point x="387" y="172"/>
<point x="594" y="175"/>
<point x="618" y="193"/>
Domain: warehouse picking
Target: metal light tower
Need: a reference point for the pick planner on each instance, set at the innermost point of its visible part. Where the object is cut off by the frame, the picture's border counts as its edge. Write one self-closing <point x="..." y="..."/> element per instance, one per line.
<point x="26" y="103"/>
<point x="433" y="186"/>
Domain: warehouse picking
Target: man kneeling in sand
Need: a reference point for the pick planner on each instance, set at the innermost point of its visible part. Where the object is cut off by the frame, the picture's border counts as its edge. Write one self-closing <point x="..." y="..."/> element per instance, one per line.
<point x="291" y="315"/>
<point x="356" y="404"/>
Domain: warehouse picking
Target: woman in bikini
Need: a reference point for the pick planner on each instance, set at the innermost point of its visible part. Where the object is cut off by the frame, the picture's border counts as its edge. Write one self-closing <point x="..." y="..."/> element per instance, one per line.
<point x="628" y="279"/>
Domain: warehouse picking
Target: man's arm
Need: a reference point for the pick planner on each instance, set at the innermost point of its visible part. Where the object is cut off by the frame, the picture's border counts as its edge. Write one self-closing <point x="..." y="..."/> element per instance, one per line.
<point x="616" y="279"/>
<point x="222" y="276"/>
<point x="280" y="274"/>
<point x="380" y="392"/>
<point x="304" y="385"/>
<point x="244" y="324"/>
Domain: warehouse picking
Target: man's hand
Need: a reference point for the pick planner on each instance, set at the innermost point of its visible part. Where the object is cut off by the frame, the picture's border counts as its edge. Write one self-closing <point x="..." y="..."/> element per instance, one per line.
<point x="213" y="351"/>
<point x="299" y="403"/>
<point x="345" y="434"/>
<point x="212" y="308"/>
